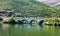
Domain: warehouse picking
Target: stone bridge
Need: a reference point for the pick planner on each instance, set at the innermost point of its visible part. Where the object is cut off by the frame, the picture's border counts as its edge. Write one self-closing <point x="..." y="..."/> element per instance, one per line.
<point x="29" y="20"/>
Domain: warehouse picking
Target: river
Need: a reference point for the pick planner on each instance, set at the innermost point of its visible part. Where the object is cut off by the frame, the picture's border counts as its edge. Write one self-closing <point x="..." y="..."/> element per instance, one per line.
<point x="28" y="30"/>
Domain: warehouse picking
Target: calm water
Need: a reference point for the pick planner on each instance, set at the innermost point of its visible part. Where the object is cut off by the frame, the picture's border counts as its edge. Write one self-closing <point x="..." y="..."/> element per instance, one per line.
<point x="28" y="30"/>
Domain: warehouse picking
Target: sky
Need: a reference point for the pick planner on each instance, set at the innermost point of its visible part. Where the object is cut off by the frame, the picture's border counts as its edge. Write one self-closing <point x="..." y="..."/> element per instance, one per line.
<point x="50" y="1"/>
<point x="41" y="0"/>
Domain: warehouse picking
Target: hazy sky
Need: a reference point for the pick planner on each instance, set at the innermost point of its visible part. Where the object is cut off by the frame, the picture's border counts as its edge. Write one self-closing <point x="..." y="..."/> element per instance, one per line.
<point x="50" y="1"/>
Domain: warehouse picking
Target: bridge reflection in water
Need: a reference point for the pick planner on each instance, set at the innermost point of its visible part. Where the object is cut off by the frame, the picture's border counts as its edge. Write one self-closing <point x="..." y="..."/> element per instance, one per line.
<point x="28" y="30"/>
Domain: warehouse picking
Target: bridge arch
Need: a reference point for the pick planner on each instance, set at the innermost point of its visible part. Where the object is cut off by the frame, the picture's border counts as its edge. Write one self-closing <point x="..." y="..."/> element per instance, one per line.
<point x="41" y="22"/>
<point x="19" y="22"/>
<point x="24" y="21"/>
<point x="33" y="22"/>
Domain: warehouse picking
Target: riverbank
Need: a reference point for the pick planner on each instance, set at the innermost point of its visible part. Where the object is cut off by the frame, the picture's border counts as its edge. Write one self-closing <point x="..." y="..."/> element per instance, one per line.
<point x="52" y="21"/>
<point x="46" y="21"/>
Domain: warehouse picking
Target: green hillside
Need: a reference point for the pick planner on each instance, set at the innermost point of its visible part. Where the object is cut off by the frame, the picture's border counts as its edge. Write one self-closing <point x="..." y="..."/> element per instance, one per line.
<point x="30" y="8"/>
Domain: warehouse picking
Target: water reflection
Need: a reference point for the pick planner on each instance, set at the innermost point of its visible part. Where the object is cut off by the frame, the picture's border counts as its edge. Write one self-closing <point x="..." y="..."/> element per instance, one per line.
<point x="28" y="30"/>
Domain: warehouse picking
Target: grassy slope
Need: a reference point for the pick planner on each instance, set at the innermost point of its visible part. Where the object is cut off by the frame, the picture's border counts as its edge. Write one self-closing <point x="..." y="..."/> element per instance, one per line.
<point x="30" y="8"/>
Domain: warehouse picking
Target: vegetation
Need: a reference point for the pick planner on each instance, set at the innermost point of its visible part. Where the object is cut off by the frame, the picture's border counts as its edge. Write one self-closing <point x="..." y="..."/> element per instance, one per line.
<point x="52" y="21"/>
<point x="29" y="8"/>
<point x="1" y="18"/>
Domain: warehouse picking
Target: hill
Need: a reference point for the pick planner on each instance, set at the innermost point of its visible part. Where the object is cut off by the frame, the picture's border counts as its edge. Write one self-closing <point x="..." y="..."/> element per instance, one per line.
<point x="29" y="8"/>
